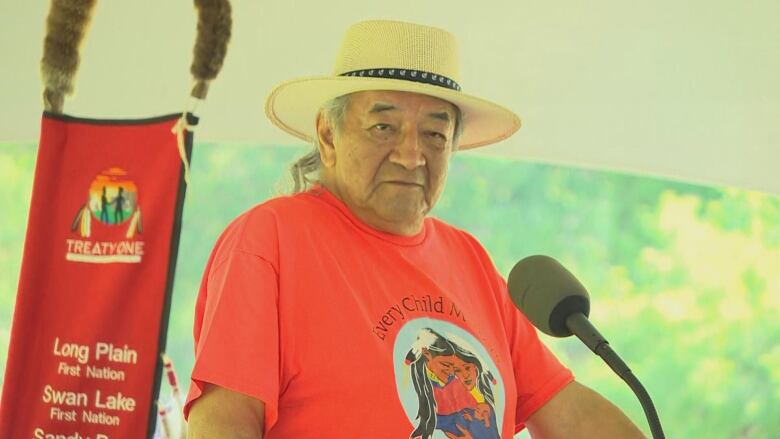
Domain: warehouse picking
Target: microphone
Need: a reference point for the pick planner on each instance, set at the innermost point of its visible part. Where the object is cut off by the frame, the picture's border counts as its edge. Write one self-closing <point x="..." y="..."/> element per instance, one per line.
<point x="553" y="299"/>
<point x="559" y="305"/>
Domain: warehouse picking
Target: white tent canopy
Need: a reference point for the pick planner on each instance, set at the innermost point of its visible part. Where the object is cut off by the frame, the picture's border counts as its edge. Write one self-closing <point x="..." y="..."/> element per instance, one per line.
<point x="686" y="90"/>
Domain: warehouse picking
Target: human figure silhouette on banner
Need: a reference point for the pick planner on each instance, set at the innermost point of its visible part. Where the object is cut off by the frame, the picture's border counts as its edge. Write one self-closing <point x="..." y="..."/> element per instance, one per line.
<point x="104" y="207"/>
<point x="119" y="203"/>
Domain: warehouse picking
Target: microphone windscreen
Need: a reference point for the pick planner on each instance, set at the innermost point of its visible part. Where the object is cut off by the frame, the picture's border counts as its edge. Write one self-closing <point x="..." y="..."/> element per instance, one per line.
<point x="547" y="293"/>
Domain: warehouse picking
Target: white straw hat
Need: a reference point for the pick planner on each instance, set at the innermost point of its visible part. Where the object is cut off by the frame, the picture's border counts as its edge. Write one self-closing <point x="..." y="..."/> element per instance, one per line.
<point x="391" y="55"/>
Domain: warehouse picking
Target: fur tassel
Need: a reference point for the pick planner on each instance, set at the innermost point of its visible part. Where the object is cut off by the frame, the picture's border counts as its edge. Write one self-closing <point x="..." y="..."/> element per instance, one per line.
<point x="66" y="26"/>
<point x="214" y="28"/>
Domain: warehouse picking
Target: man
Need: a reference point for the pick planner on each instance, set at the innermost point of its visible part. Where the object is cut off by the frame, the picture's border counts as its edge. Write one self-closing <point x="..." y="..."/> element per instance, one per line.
<point x="343" y="311"/>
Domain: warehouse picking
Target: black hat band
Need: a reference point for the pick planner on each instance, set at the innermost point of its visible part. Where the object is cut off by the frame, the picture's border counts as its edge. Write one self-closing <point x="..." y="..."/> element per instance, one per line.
<point x="406" y="75"/>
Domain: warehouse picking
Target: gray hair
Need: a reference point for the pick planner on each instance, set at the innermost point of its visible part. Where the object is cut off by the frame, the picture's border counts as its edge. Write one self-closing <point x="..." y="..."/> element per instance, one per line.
<point x="305" y="170"/>
<point x="309" y="164"/>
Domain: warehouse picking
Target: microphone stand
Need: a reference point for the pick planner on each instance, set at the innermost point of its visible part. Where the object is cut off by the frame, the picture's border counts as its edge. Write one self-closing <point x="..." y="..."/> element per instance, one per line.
<point x="579" y="324"/>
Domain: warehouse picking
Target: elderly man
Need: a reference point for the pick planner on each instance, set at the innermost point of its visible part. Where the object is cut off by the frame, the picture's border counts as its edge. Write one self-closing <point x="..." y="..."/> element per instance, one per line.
<point x="344" y="311"/>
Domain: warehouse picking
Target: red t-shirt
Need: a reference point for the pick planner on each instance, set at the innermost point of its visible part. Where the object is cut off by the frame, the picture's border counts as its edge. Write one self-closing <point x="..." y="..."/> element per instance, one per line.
<point x="345" y="331"/>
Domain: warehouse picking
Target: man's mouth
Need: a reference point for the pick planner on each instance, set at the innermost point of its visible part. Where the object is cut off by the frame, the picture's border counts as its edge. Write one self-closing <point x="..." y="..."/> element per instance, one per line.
<point x="404" y="183"/>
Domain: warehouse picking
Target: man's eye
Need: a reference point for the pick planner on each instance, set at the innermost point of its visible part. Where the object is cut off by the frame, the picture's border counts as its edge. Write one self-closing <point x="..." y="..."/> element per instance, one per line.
<point x="382" y="127"/>
<point x="437" y="135"/>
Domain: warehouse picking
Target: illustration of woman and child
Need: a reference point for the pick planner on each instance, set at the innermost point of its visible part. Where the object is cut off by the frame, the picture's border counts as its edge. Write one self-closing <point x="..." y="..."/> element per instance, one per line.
<point x="453" y="389"/>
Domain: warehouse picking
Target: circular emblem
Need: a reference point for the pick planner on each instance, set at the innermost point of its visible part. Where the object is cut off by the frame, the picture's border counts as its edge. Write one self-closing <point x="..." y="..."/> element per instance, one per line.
<point x="447" y="383"/>
<point x="113" y="197"/>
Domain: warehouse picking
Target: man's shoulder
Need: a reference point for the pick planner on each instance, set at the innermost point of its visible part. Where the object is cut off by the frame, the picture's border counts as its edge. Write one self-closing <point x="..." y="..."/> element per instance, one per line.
<point x="262" y="221"/>
<point x="455" y="235"/>
<point x="445" y="229"/>
<point x="281" y="206"/>
<point x="463" y="250"/>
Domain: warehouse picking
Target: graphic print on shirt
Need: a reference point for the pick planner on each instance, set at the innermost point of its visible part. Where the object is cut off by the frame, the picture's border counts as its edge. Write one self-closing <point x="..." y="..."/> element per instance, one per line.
<point x="447" y="383"/>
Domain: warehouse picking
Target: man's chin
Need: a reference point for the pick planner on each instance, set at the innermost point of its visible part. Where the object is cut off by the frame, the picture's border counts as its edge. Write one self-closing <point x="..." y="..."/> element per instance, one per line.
<point x="400" y="193"/>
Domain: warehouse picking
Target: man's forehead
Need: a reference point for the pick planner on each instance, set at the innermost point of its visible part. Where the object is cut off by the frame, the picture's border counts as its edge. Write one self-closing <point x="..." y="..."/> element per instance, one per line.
<point x="382" y="101"/>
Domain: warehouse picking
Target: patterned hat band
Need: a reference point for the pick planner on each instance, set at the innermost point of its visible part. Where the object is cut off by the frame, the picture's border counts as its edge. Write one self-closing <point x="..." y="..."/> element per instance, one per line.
<point x="407" y="75"/>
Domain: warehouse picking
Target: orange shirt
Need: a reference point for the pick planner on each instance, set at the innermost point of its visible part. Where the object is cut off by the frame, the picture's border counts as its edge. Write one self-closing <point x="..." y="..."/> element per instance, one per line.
<point x="329" y="322"/>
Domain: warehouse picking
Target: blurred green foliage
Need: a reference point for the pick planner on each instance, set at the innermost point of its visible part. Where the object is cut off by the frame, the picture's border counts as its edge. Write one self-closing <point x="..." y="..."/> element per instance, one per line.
<point x="684" y="279"/>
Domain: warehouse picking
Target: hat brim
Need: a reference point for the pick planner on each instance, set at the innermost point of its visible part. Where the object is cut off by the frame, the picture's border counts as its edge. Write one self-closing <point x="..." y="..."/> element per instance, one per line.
<point x="293" y="106"/>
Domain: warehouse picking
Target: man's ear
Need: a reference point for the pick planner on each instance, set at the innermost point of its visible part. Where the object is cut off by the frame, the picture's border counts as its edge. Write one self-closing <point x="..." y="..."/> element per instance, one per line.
<point x="325" y="135"/>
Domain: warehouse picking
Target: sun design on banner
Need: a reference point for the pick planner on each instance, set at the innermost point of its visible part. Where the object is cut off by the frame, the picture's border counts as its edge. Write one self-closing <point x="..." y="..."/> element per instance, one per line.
<point x="112" y="197"/>
<point x="112" y="200"/>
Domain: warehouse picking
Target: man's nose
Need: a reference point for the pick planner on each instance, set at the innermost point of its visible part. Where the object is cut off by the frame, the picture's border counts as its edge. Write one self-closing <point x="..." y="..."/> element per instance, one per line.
<point x="409" y="152"/>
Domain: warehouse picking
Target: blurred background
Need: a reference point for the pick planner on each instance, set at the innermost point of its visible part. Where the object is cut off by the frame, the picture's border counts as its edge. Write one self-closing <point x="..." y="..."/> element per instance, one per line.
<point x="684" y="279"/>
<point x="648" y="164"/>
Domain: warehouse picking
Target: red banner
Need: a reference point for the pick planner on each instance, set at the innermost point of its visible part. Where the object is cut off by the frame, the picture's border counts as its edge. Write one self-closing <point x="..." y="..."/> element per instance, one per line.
<point x="94" y="290"/>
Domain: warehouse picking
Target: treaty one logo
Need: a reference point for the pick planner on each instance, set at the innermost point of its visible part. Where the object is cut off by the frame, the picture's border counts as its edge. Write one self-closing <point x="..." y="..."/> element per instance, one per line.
<point x="108" y="224"/>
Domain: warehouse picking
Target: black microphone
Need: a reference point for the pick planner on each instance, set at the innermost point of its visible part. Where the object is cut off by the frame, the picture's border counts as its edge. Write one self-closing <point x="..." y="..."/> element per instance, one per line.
<point x="556" y="302"/>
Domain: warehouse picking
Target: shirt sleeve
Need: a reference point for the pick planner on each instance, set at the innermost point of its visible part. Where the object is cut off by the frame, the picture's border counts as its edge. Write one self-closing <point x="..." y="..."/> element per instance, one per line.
<point x="538" y="374"/>
<point x="236" y="324"/>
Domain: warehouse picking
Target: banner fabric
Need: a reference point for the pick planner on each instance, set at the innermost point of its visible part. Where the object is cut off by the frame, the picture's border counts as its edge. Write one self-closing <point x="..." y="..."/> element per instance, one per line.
<point x="97" y="273"/>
